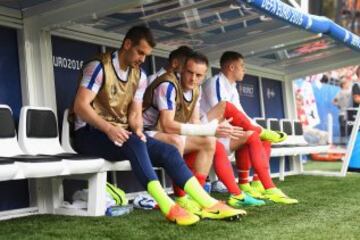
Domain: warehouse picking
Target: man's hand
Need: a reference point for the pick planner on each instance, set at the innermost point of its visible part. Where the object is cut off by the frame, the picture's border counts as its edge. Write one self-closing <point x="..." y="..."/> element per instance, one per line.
<point x="141" y="135"/>
<point x="225" y="129"/>
<point x="117" y="135"/>
<point x="237" y="133"/>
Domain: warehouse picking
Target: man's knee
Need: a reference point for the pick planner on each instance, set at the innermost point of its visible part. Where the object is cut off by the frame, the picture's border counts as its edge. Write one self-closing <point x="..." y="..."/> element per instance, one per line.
<point x="177" y="141"/>
<point x="217" y="112"/>
<point x="222" y="105"/>
<point x="235" y="144"/>
<point x="209" y="143"/>
<point x="169" y="150"/>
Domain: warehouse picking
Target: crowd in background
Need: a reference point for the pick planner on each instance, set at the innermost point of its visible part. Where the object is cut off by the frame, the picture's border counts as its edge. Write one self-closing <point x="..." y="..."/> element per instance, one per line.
<point x="342" y="92"/>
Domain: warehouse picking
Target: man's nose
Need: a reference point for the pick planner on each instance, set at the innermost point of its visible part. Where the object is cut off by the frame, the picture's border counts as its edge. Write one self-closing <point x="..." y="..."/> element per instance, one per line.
<point x="193" y="77"/>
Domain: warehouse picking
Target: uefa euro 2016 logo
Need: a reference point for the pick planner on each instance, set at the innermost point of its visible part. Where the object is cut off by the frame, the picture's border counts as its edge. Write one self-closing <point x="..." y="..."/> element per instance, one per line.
<point x="270" y="93"/>
<point x="246" y="90"/>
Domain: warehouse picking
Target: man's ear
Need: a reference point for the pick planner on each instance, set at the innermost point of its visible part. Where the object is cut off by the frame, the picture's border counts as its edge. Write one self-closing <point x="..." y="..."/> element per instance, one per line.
<point x="127" y="44"/>
<point x="175" y="63"/>
<point x="231" y="67"/>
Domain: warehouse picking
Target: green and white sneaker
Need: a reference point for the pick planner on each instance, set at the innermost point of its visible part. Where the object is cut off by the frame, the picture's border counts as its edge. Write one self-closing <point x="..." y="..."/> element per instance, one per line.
<point x="277" y="196"/>
<point x="272" y="136"/>
<point x="189" y="204"/>
<point x="243" y="200"/>
<point x="246" y="188"/>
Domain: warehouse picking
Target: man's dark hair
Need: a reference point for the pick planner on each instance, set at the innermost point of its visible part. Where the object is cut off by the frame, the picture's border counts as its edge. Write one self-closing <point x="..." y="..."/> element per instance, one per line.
<point x="198" y="58"/>
<point x="136" y="33"/>
<point x="181" y="52"/>
<point x="228" y="57"/>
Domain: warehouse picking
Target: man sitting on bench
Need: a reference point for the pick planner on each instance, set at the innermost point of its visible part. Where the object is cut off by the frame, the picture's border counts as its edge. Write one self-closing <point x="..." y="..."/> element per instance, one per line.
<point x="221" y="100"/>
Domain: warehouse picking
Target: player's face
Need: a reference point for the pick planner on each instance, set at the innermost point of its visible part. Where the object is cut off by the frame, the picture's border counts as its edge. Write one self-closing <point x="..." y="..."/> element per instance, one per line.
<point x="192" y="74"/>
<point x="239" y="69"/>
<point x="136" y="54"/>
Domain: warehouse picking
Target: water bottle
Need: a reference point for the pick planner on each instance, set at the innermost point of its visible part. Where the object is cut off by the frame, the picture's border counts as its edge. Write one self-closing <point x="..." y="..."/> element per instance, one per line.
<point x="119" y="210"/>
<point x="207" y="187"/>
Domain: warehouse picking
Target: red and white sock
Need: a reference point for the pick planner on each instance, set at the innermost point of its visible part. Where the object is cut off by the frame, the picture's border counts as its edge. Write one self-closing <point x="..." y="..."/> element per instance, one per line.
<point x="258" y="160"/>
<point x="224" y="170"/>
<point x="243" y="163"/>
<point x="239" y="118"/>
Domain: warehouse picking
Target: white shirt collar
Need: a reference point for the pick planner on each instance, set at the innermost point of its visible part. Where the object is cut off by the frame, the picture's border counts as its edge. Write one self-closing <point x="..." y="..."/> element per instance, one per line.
<point x="226" y="81"/>
<point x="160" y="72"/>
<point x="119" y="72"/>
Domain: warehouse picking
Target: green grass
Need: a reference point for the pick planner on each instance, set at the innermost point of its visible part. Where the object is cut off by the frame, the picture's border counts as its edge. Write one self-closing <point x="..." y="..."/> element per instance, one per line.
<point x="323" y="166"/>
<point x="329" y="209"/>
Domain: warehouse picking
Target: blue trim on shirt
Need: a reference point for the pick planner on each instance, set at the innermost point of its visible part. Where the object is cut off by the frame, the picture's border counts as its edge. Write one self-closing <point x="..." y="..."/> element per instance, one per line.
<point x="93" y="77"/>
<point x="168" y="97"/>
<point x="218" y="89"/>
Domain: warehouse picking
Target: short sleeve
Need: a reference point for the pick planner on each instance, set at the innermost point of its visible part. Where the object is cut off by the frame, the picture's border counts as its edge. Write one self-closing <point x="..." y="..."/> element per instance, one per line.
<point x="92" y="77"/>
<point x="164" y="96"/>
<point x="139" y="93"/>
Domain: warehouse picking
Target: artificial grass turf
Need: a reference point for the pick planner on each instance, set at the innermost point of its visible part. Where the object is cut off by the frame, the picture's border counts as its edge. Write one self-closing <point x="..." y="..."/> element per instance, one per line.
<point x="329" y="208"/>
<point x="323" y="166"/>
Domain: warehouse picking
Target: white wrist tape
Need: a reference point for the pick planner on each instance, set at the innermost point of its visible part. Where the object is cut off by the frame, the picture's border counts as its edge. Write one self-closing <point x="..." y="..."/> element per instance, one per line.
<point x="208" y="129"/>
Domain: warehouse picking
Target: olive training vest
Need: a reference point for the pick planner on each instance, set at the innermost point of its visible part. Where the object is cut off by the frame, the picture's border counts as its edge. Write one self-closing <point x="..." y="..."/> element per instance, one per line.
<point x="184" y="108"/>
<point x="115" y="96"/>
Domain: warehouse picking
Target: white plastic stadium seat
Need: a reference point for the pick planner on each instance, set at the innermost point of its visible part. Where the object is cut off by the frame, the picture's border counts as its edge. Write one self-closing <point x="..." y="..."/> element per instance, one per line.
<point x="262" y="122"/>
<point x="65" y="133"/>
<point x="8" y="144"/>
<point x="299" y="134"/>
<point x="27" y="166"/>
<point x="38" y="134"/>
<point x="273" y="124"/>
<point x="66" y="144"/>
<point x="286" y="126"/>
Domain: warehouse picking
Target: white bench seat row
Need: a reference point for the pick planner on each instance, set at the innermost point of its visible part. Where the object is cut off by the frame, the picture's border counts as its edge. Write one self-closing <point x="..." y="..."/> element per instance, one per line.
<point x="38" y="155"/>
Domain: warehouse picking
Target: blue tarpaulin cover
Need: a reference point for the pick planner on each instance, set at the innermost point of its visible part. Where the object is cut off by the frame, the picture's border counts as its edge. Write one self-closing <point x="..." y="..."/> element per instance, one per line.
<point x="312" y="23"/>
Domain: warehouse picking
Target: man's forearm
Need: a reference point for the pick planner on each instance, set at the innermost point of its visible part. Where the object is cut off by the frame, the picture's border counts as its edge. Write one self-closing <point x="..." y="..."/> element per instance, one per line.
<point x="136" y="122"/>
<point x="207" y="129"/>
<point x="87" y="114"/>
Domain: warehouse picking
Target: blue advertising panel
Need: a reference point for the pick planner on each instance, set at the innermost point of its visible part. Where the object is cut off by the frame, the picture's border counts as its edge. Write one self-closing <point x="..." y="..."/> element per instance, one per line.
<point x="160" y="62"/>
<point x="10" y="90"/>
<point x="147" y="66"/>
<point x="250" y="95"/>
<point x="14" y="194"/>
<point x="68" y="58"/>
<point x="274" y="108"/>
<point x="273" y="98"/>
